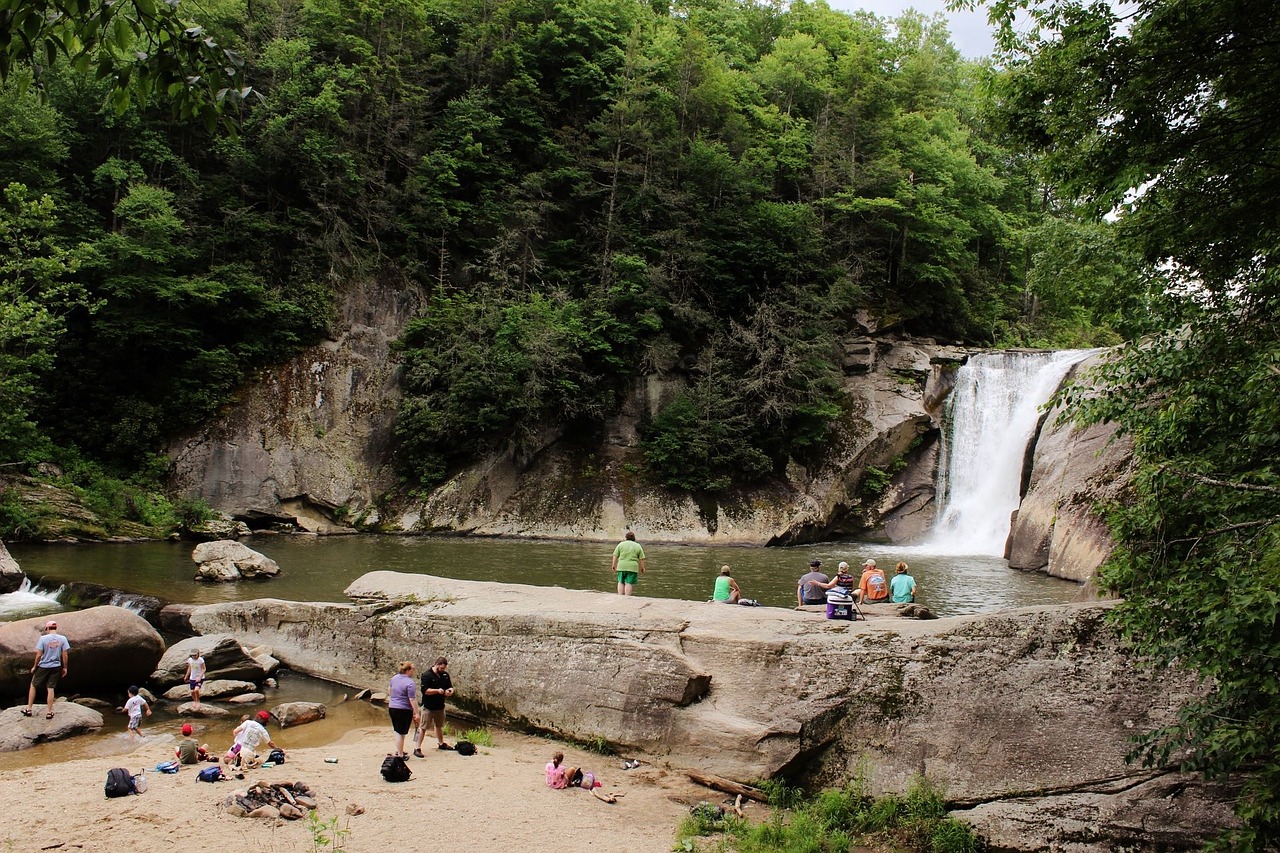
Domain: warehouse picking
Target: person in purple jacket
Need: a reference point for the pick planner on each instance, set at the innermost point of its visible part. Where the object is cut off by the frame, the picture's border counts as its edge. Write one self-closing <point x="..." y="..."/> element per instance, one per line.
<point x="402" y="704"/>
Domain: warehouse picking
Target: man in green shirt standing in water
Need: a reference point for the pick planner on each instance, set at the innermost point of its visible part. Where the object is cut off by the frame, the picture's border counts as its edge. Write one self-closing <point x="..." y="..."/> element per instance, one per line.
<point x="628" y="562"/>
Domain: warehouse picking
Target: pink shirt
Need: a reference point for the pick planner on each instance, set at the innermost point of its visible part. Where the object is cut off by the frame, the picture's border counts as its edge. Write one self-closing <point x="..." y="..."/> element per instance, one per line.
<point x="555" y="775"/>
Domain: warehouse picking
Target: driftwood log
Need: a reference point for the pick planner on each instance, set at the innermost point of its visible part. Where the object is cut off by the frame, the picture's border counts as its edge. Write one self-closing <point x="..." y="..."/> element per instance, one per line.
<point x="728" y="786"/>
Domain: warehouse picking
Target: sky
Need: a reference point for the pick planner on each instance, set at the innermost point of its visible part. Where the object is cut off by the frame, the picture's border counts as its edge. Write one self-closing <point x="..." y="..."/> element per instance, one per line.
<point x="970" y="32"/>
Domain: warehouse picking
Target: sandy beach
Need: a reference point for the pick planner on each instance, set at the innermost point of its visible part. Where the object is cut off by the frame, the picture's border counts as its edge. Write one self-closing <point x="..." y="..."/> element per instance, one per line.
<point x="495" y="800"/>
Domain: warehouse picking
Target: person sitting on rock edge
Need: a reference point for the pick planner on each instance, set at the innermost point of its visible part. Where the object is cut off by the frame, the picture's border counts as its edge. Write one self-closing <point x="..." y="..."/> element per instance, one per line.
<point x="726" y="589"/>
<point x="808" y="591"/>
<point x="872" y="587"/>
<point x="902" y="587"/>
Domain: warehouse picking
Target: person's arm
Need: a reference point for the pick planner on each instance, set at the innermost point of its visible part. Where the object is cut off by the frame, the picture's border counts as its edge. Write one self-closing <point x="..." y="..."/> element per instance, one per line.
<point x="800" y="594"/>
<point x="146" y="707"/>
<point x="733" y="585"/>
<point x="614" y="565"/>
<point x="64" y="661"/>
<point x="642" y="565"/>
<point x="35" y="661"/>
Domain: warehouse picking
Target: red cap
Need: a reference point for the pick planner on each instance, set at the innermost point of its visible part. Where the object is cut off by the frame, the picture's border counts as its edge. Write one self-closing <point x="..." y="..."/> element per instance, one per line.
<point x="186" y="728"/>
<point x="264" y="716"/>
<point x="51" y="624"/>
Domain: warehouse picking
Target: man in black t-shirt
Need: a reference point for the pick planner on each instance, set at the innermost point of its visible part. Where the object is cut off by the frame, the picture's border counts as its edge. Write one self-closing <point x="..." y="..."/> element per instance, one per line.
<point x="436" y="687"/>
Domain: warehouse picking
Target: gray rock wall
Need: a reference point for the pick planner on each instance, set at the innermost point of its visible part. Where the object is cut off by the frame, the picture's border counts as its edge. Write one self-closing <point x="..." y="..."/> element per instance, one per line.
<point x="1058" y="528"/>
<point x="997" y="707"/>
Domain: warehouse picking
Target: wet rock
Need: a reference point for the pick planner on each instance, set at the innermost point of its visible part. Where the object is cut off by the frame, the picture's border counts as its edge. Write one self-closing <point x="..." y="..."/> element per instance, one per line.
<point x="189" y="709"/>
<point x="214" y="689"/>
<point x="247" y="699"/>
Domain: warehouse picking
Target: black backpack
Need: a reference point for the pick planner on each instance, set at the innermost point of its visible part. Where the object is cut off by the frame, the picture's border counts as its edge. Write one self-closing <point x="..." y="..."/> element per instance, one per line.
<point x="396" y="769"/>
<point x="465" y="747"/>
<point x="276" y="756"/>
<point x="119" y="783"/>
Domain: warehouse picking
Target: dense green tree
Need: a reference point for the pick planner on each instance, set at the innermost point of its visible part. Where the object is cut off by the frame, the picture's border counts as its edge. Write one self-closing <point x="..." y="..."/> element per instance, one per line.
<point x="147" y="49"/>
<point x="1166" y="120"/>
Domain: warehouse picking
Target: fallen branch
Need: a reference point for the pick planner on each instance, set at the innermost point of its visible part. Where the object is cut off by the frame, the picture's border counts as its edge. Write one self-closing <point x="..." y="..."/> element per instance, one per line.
<point x="728" y="786"/>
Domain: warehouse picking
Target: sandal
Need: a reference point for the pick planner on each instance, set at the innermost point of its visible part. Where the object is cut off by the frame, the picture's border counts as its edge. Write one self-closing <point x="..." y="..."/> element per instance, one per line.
<point x="26" y="713"/>
<point x="49" y="716"/>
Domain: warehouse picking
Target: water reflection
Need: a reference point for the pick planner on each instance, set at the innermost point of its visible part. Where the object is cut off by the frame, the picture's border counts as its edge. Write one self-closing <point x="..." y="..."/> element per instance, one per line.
<point x="320" y="568"/>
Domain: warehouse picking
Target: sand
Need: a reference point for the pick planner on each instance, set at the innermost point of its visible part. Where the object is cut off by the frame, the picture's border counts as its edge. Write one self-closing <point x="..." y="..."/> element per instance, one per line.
<point x="495" y="800"/>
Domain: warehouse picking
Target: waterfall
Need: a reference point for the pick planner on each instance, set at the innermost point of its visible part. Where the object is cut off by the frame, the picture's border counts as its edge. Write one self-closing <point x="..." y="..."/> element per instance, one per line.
<point x="990" y="417"/>
<point x="30" y="599"/>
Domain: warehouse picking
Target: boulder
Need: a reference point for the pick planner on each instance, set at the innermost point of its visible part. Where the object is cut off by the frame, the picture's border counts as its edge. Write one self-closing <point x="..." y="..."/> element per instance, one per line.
<point x="228" y="560"/>
<point x="11" y="576"/>
<point x="189" y="709"/>
<point x="1169" y="812"/>
<point x="69" y="719"/>
<point x="111" y="648"/>
<point x="99" y="705"/>
<point x="214" y="689"/>
<point x="224" y="657"/>
<point x="247" y="699"/>
<point x="298" y="713"/>
<point x="176" y="618"/>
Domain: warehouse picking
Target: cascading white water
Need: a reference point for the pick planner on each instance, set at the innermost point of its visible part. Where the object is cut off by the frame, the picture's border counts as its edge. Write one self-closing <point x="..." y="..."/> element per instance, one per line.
<point x="29" y="600"/>
<point x="990" y="417"/>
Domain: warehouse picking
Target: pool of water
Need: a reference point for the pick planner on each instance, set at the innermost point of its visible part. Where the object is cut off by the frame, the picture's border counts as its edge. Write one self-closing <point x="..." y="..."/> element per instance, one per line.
<point x="320" y="568"/>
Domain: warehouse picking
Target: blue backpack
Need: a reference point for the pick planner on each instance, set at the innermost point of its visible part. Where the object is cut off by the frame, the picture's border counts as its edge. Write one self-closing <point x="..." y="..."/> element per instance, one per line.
<point x="170" y="766"/>
<point x="210" y="774"/>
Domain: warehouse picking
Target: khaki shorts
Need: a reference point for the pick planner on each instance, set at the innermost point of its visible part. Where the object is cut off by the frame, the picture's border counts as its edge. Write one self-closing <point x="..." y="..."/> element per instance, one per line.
<point x="46" y="676"/>
<point x="431" y="718"/>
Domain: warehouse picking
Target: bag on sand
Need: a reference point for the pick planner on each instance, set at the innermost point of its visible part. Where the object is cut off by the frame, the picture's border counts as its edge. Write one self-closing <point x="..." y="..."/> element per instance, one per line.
<point x="573" y="777"/>
<point x="119" y="783"/>
<point x="276" y="756"/>
<point x="396" y="769"/>
<point x="465" y="747"/>
<point x="209" y="774"/>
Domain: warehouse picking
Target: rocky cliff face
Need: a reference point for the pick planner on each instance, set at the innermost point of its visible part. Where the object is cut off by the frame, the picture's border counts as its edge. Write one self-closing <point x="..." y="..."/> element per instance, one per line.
<point x="312" y="444"/>
<point x="1058" y="528"/>
<point x="1018" y="713"/>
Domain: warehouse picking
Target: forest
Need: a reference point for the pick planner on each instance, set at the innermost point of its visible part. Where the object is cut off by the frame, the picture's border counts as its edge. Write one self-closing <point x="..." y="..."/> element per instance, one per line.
<point x="588" y="191"/>
<point x="583" y="192"/>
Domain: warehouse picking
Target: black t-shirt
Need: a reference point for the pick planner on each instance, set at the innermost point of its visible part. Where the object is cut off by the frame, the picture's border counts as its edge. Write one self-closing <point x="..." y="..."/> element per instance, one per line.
<point x="432" y="680"/>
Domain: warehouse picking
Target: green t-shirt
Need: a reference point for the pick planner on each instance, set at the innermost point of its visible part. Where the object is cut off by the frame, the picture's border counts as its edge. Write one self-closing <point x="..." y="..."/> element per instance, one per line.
<point x="629" y="554"/>
<point x="724" y="589"/>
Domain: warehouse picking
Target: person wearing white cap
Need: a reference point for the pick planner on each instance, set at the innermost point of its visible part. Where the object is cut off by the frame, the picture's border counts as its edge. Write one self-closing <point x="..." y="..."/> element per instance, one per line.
<point x="872" y="587"/>
<point x="49" y="665"/>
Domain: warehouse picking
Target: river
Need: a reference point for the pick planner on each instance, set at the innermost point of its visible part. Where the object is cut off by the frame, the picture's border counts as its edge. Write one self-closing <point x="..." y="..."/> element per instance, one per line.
<point x="320" y="568"/>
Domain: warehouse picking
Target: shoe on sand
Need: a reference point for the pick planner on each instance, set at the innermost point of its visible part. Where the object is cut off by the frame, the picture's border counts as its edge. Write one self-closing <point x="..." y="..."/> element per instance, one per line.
<point x="444" y="746"/>
<point x="417" y="753"/>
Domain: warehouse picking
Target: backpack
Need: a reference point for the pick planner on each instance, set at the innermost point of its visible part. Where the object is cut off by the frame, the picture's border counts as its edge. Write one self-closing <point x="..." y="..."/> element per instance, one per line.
<point x="395" y="769"/>
<point x="276" y="756"/>
<point x="209" y="774"/>
<point x="465" y="747"/>
<point x="119" y="783"/>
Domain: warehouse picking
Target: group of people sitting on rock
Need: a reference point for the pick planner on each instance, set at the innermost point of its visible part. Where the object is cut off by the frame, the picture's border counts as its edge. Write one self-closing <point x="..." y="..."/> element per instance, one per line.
<point x="844" y="592"/>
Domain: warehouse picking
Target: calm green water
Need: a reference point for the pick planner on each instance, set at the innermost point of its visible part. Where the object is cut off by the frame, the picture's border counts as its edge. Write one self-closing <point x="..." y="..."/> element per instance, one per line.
<point x="320" y="568"/>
